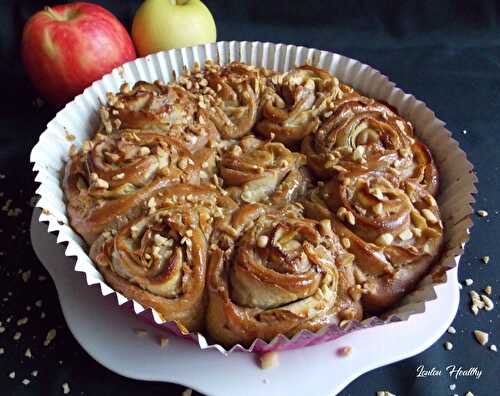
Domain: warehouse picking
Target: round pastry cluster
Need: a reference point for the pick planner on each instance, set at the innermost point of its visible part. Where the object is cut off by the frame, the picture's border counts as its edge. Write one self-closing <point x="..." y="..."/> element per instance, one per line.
<point x="248" y="203"/>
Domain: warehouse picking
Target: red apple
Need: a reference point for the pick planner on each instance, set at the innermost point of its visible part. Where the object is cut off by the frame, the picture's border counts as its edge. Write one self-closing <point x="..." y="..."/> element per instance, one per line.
<point x="67" y="47"/>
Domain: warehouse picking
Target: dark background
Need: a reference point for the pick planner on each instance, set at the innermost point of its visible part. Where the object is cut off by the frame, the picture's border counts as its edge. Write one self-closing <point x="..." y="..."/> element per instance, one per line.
<point x="447" y="53"/>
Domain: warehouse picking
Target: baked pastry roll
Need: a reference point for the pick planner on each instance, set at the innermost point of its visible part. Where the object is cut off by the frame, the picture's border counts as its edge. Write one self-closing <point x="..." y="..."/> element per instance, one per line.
<point x="250" y="203"/>
<point x="361" y="133"/>
<point x="159" y="258"/>
<point x="395" y="236"/>
<point x="233" y="95"/>
<point x="255" y="171"/>
<point x="168" y="109"/>
<point x="274" y="272"/>
<point x="292" y="105"/>
<point x="112" y="174"/>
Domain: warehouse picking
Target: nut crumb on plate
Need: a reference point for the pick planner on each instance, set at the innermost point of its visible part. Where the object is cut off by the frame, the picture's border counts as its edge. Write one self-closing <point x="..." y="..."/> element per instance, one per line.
<point x="482" y="213"/>
<point x="468" y="282"/>
<point x="344" y="351"/>
<point x="140" y="332"/>
<point x="481" y="337"/>
<point x="50" y="337"/>
<point x="448" y="345"/>
<point x="488" y="303"/>
<point x="493" y="348"/>
<point x="452" y="330"/>
<point x="474" y="295"/>
<point x="187" y="392"/>
<point x="268" y="360"/>
<point x="65" y="388"/>
<point x="26" y="276"/>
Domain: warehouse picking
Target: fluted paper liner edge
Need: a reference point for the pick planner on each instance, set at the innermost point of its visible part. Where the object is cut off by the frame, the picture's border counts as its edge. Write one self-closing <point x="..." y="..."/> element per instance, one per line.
<point x="80" y="117"/>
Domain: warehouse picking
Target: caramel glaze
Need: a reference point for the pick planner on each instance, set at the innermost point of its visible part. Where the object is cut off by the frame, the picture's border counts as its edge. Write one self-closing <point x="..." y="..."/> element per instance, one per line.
<point x="248" y="203"/>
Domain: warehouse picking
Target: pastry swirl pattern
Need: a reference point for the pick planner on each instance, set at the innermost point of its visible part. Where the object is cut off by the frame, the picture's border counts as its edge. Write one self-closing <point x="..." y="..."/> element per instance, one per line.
<point x="112" y="174"/>
<point x="160" y="258"/>
<point x="246" y="203"/>
<point x="254" y="171"/>
<point x="280" y="273"/>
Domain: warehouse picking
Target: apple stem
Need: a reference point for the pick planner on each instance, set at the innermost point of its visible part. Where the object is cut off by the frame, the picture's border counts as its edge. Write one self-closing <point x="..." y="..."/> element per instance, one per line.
<point x="53" y="14"/>
<point x="179" y="2"/>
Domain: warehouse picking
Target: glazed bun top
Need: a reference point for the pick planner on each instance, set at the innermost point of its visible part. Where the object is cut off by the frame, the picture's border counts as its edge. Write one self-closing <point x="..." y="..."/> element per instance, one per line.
<point x="287" y="200"/>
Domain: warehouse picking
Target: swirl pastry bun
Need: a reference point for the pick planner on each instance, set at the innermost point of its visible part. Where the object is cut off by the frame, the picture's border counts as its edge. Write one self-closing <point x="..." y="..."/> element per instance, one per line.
<point x="395" y="237"/>
<point x="159" y="259"/>
<point x="105" y="181"/>
<point x="246" y="203"/>
<point x="168" y="109"/>
<point x="292" y="105"/>
<point x="254" y="171"/>
<point x="279" y="274"/>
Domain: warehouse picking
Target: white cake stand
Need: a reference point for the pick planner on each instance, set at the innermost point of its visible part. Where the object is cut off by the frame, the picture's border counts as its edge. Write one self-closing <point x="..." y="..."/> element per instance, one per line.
<point x="106" y="332"/>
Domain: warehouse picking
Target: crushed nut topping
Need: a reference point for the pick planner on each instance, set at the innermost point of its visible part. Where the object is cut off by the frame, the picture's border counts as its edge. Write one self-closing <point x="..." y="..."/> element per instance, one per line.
<point x="430" y="216"/>
<point x="346" y="243"/>
<point x="295" y="146"/>
<point x="406" y="235"/>
<point x="119" y="176"/>
<point x="262" y="241"/>
<point x="326" y="227"/>
<point x="385" y="239"/>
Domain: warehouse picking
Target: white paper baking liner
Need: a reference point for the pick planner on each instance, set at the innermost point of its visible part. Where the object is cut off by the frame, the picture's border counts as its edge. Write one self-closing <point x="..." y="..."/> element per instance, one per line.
<point x="80" y="119"/>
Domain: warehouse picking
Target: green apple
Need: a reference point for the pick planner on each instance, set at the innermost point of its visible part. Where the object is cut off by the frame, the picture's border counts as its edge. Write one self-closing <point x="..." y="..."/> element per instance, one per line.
<point x="164" y="24"/>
